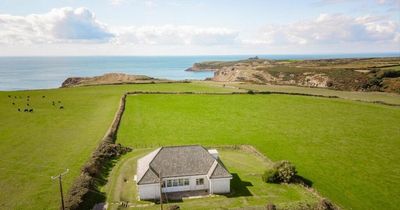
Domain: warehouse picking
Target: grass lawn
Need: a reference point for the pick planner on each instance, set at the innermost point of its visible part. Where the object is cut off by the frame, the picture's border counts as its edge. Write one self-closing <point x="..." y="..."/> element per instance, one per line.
<point x="247" y="187"/>
<point x="350" y="150"/>
<point x="35" y="146"/>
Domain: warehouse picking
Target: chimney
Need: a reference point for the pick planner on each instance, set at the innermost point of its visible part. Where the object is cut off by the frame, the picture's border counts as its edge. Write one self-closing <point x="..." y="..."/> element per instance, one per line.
<point x="214" y="153"/>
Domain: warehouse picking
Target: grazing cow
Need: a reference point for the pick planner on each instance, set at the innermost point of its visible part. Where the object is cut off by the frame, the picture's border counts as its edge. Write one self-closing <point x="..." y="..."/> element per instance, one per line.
<point x="19" y="109"/>
<point x="27" y="99"/>
<point x="13" y="103"/>
<point x="27" y="104"/>
<point x="61" y="107"/>
<point x="9" y="96"/>
<point x="54" y="103"/>
<point x="25" y="110"/>
<point x="59" y="102"/>
<point x="15" y="96"/>
<point x="28" y="96"/>
<point x="43" y="96"/>
<point x="30" y="110"/>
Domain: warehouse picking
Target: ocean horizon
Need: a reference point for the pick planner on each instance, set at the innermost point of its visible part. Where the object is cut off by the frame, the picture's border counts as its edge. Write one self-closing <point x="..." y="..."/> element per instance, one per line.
<point x="44" y="72"/>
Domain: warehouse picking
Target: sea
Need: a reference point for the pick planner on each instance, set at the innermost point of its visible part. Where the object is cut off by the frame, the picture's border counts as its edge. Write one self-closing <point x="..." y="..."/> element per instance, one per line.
<point x="23" y="73"/>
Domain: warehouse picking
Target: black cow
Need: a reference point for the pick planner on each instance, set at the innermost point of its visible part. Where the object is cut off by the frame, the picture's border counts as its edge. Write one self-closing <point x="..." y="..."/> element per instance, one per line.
<point x="30" y="110"/>
<point x="61" y="107"/>
<point x="19" y="109"/>
<point x="26" y="110"/>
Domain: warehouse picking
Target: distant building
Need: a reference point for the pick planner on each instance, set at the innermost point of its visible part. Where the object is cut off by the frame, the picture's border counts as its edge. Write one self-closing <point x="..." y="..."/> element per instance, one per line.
<point x="180" y="169"/>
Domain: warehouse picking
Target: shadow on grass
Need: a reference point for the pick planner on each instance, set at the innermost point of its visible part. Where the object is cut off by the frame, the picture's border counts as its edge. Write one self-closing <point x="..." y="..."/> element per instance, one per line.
<point x="239" y="187"/>
<point x="303" y="181"/>
<point x="94" y="196"/>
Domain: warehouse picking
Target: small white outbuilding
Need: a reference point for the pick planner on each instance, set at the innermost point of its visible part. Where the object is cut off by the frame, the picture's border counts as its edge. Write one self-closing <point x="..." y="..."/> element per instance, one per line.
<point x="180" y="169"/>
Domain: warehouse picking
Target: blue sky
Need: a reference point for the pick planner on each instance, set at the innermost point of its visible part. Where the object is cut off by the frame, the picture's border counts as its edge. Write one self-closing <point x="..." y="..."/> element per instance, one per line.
<point x="179" y="27"/>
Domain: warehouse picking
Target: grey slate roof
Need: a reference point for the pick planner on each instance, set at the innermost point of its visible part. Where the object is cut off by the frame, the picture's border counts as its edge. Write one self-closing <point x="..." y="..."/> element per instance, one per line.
<point x="220" y="172"/>
<point x="178" y="161"/>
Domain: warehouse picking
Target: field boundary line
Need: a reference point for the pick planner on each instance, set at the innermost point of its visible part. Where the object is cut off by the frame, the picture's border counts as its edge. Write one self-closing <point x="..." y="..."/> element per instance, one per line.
<point x="111" y="133"/>
<point x="254" y="92"/>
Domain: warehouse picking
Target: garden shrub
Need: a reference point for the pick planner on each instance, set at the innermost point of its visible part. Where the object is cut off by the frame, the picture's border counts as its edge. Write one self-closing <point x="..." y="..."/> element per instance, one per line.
<point x="282" y="171"/>
<point x="270" y="206"/>
<point x="270" y="176"/>
<point x="174" y="207"/>
<point x="325" y="204"/>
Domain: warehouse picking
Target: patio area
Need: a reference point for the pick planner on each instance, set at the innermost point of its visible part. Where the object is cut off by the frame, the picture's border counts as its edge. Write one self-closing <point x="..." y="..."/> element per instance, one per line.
<point x="179" y="196"/>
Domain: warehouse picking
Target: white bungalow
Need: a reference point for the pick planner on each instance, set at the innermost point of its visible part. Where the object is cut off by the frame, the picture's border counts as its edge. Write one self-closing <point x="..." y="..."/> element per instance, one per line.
<point x="181" y="169"/>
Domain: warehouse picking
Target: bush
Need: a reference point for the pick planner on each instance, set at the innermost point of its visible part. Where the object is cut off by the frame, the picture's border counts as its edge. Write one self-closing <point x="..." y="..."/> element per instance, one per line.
<point x="325" y="204"/>
<point x="270" y="176"/>
<point x="282" y="171"/>
<point x="391" y="74"/>
<point x="83" y="193"/>
<point x="174" y="207"/>
<point x="270" y="206"/>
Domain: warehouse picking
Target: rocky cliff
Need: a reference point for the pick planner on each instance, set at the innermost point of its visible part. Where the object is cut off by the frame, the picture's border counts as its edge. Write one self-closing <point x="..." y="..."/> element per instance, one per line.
<point x="373" y="74"/>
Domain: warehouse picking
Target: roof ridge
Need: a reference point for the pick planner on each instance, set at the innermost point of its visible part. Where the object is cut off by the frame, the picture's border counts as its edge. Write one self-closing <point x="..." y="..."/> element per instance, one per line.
<point x="158" y="175"/>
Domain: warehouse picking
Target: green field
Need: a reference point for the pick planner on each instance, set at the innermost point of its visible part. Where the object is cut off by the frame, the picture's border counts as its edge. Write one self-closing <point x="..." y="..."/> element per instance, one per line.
<point x="350" y="150"/>
<point x="389" y="98"/>
<point x="247" y="187"/>
<point x="35" y="146"/>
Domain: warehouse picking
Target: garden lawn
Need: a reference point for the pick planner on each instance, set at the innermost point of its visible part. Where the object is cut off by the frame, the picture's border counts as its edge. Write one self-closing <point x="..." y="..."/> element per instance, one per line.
<point x="35" y="146"/>
<point x="349" y="150"/>
<point x="247" y="187"/>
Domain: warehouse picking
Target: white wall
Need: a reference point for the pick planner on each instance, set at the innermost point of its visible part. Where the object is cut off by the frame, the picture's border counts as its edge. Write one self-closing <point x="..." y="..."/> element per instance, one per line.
<point x="149" y="191"/>
<point x="192" y="184"/>
<point x="220" y="185"/>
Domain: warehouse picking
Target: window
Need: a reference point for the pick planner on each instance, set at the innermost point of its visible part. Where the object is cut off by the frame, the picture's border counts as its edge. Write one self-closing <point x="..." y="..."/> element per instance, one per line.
<point x="200" y="181"/>
<point x="176" y="182"/>
<point x="186" y="182"/>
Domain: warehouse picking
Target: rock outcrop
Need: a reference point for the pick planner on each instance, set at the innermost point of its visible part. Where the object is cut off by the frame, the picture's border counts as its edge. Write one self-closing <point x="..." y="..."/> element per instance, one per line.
<point x="110" y="78"/>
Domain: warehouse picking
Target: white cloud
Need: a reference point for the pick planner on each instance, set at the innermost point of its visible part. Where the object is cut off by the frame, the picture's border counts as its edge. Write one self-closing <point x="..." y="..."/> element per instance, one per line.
<point x="327" y="29"/>
<point x="80" y="31"/>
<point x="116" y="2"/>
<point x="175" y="35"/>
<point x="388" y="2"/>
<point x="81" y="25"/>
<point x="58" y="25"/>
